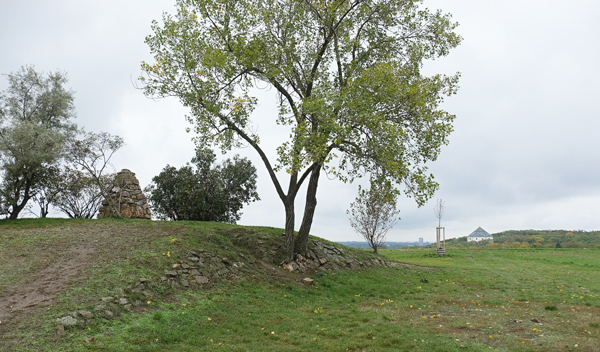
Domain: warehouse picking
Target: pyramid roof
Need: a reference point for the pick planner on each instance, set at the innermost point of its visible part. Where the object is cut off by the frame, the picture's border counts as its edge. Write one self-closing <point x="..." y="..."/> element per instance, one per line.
<point x="480" y="233"/>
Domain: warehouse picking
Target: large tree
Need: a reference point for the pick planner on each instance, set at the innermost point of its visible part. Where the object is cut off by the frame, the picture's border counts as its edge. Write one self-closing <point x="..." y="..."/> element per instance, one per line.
<point x="35" y="114"/>
<point x="347" y="74"/>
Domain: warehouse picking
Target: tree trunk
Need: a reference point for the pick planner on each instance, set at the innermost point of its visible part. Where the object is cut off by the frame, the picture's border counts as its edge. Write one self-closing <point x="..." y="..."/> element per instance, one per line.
<point x="309" y="212"/>
<point x="289" y="229"/>
<point x="16" y="208"/>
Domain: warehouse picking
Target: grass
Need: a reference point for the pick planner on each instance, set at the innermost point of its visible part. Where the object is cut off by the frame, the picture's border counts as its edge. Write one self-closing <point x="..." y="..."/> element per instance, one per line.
<point x="502" y="300"/>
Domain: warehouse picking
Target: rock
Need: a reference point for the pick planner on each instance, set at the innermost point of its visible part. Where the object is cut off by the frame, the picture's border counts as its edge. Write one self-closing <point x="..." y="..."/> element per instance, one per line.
<point x="85" y="313"/>
<point x="301" y="268"/>
<point x="201" y="279"/>
<point x="194" y="259"/>
<point x="175" y="266"/>
<point x="108" y="313"/>
<point x="322" y="261"/>
<point x="185" y="283"/>
<point x="194" y="272"/>
<point x="288" y="266"/>
<point x="106" y="299"/>
<point x="122" y="301"/>
<point x="60" y="329"/>
<point x="68" y="320"/>
<point x="170" y="273"/>
<point x="99" y="307"/>
<point x="127" y="195"/>
<point x="308" y="281"/>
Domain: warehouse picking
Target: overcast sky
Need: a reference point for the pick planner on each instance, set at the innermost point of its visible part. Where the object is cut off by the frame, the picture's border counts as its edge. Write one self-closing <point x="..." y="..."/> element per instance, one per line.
<point x="524" y="154"/>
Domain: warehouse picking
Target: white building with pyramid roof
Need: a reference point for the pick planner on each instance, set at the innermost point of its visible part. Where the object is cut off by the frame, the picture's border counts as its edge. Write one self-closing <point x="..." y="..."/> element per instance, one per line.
<point x="480" y="235"/>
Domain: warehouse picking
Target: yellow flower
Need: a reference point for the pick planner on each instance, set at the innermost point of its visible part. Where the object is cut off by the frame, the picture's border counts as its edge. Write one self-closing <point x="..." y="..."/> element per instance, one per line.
<point x="149" y="302"/>
<point x="490" y="336"/>
<point x="209" y="319"/>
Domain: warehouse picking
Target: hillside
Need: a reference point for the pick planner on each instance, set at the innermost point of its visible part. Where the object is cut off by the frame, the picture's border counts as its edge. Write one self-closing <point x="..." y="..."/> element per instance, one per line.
<point x="125" y="285"/>
<point x="538" y="239"/>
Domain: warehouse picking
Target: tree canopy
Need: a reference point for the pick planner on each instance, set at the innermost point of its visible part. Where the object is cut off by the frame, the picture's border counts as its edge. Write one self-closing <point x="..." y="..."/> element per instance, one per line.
<point x="347" y="74"/>
<point x="35" y="124"/>
<point x="204" y="191"/>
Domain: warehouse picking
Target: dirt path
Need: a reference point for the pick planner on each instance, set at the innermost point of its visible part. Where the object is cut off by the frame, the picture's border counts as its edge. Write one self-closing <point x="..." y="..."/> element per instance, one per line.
<point x="21" y="301"/>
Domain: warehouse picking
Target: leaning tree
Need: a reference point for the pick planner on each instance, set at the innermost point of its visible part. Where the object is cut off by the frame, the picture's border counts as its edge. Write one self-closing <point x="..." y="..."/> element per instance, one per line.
<point x="347" y="74"/>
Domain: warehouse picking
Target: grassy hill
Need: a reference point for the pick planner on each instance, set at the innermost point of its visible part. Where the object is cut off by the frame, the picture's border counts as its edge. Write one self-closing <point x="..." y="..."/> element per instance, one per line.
<point x="538" y="239"/>
<point x="190" y="286"/>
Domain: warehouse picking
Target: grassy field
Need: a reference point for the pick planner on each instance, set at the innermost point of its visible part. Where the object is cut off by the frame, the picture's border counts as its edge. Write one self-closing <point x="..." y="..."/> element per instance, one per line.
<point x="469" y="300"/>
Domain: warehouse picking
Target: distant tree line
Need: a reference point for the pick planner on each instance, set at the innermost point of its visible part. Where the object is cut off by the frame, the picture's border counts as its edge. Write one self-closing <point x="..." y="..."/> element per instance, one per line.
<point x="535" y="239"/>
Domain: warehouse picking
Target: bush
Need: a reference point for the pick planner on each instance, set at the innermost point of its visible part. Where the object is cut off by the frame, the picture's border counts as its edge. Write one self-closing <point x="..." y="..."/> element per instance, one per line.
<point x="204" y="192"/>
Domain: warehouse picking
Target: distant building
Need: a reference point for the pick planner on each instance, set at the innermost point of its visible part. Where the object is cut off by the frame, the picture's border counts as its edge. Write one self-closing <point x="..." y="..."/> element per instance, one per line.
<point x="480" y="235"/>
<point x="421" y="241"/>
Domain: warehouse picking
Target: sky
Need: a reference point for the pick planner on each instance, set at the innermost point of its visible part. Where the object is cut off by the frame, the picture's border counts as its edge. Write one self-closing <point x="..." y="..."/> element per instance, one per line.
<point x="524" y="153"/>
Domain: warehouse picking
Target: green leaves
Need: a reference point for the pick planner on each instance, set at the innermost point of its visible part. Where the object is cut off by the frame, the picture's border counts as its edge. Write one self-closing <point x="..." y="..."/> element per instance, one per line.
<point x="347" y="75"/>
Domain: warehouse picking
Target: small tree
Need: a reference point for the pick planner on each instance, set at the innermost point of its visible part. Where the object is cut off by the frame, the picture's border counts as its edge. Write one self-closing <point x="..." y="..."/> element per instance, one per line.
<point x="204" y="192"/>
<point x="373" y="213"/>
<point x="79" y="195"/>
<point x="439" y="211"/>
<point x="46" y="192"/>
<point x="92" y="154"/>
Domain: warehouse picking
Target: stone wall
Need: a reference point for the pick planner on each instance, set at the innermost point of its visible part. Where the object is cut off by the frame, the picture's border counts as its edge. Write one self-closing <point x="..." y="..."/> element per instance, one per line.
<point x="127" y="196"/>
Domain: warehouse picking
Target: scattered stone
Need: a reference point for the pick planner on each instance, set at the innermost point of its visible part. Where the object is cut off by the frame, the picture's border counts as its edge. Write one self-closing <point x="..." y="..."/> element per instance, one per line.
<point x="147" y="294"/>
<point x="194" y="259"/>
<point x="106" y="299"/>
<point x="170" y="273"/>
<point x="288" y="266"/>
<point x="308" y="281"/>
<point x="194" y="272"/>
<point x="128" y="196"/>
<point x="60" y="330"/>
<point x="89" y="339"/>
<point x="68" y="320"/>
<point x="142" y="280"/>
<point x="175" y="266"/>
<point x="185" y="283"/>
<point x="127" y="306"/>
<point x="100" y="307"/>
<point x="122" y="301"/>
<point x="322" y="261"/>
<point x="108" y="313"/>
<point x="185" y="266"/>
<point x="85" y="313"/>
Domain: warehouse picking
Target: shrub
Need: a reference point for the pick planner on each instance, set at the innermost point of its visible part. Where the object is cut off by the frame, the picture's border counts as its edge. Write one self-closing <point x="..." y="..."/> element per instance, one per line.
<point x="204" y="191"/>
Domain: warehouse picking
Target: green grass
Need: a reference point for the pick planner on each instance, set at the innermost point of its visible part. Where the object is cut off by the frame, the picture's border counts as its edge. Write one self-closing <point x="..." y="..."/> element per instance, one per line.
<point x="471" y="300"/>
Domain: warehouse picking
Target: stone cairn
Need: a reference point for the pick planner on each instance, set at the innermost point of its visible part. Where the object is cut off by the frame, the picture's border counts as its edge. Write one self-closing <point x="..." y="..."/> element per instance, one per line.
<point x="126" y="195"/>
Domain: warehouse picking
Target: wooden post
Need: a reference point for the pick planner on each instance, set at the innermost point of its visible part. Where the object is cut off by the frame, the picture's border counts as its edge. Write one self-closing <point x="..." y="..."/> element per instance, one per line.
<point x="441" y="246"/>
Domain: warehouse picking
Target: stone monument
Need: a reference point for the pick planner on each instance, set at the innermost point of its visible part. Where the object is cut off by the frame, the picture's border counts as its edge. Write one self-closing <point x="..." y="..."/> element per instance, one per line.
<point x="127" y="196"/>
